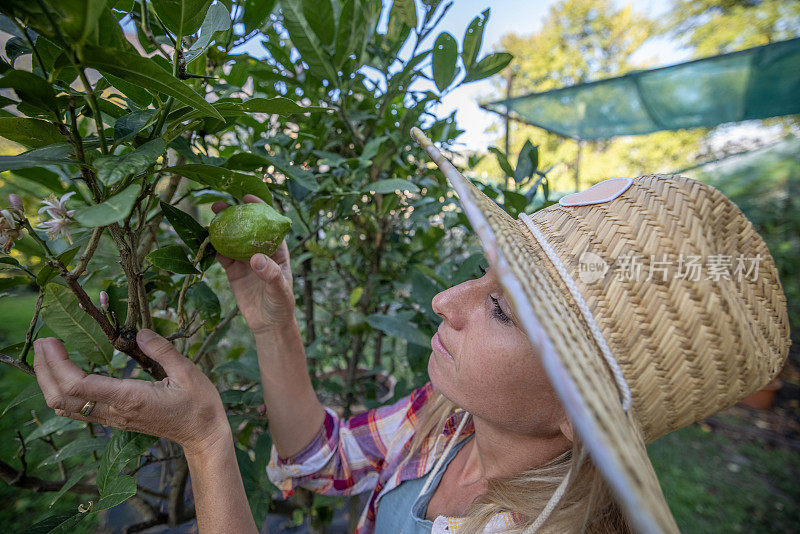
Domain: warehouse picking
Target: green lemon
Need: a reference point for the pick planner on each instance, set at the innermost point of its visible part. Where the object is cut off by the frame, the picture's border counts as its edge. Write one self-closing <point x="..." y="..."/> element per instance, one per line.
<point x="240" y="231"/>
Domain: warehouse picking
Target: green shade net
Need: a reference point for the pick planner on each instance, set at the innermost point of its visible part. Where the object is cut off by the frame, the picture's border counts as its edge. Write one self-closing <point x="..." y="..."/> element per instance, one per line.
<point x="750" y="84"/>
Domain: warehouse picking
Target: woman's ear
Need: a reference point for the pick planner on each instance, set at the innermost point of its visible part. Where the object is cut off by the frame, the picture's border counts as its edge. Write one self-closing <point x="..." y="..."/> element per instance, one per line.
<point x="566" y="429"/>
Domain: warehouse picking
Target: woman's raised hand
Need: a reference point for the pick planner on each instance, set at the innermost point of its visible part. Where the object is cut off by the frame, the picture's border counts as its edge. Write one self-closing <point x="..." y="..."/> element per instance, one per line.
<point x="262" y="287"/>
<point x="184" y="407"/>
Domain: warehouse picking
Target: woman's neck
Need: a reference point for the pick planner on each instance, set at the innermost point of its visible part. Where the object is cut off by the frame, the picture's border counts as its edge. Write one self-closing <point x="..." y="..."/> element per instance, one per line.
<point x="498" y="453"/>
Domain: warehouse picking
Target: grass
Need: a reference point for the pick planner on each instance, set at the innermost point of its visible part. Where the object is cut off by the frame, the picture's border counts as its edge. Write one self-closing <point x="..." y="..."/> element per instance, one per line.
<point x="715" y="483"/>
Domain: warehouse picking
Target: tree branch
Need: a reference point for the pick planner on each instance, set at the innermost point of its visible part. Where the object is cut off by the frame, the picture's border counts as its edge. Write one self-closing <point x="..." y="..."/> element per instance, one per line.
<point x="17" y="364"/>
<point x="207" y="342"/>
<point x="123" y="340"/>
<point x="88" y="252"/>
<point x="29" y="336"/>
<point x="12" y="477"/>
<point x="176" y="491"/>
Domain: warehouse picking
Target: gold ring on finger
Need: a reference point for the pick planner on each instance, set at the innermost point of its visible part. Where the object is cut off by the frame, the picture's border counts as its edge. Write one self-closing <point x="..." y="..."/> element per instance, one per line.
<point x="87" y="408"/>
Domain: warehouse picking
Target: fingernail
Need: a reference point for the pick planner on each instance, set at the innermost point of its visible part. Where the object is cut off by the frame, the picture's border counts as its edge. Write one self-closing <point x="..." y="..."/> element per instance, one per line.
<point x="144" y="335"/>
<point x="260" y="262"/>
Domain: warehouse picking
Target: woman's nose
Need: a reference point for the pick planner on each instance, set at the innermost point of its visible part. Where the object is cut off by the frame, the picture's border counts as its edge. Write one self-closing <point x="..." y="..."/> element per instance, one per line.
<point x="453" y="304"/>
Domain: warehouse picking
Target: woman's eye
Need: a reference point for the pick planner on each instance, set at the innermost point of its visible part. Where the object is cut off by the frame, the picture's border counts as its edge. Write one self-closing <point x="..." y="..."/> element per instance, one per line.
<point x="498" y="311"/>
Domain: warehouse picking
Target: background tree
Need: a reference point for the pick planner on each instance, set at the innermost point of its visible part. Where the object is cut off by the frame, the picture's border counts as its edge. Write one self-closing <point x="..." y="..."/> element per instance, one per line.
<point x="711" y="27"/>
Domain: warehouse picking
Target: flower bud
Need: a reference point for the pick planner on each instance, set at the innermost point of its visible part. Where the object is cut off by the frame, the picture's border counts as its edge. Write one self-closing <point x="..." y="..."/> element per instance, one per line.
<point x="104" y="300"/>
<point x="15" y="201"/>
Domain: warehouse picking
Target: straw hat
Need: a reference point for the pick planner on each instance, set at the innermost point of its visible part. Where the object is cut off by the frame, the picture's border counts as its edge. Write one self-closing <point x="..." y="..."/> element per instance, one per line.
<point x="635" y="354"/>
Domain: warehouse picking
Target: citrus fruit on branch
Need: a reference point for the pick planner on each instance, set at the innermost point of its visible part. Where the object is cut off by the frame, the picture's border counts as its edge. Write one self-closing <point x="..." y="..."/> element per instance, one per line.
<point x="242" y="230"/>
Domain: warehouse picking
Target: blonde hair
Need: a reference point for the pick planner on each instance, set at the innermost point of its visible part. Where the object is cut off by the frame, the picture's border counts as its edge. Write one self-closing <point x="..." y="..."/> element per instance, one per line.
<point x="586" y="505"/>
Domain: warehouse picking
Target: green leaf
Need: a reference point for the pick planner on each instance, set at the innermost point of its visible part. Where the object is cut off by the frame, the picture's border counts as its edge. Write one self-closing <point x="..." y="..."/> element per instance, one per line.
<point x="31" y="391"/>
<point x="217" y="20"/>
<point x="190" y="231"/>
<point x="79" y="331"/>
<point x="305" y="40"/>
<point x="78" y="20"/>
<point x="117" y="490"/>
<point x="47" y="273"/>
<point x="123" y="447"/>
<point x="54" y="424"/>
<point x="43" y="177"/>
<point x="525" y="166"/>
<point x="279" y="106"/>
<point x="16" y="47"/>
<point x="57" y="524"/>
<point x="473" y="38"/>
<point x="14" y="281"/>
<point x="445" y="54"/>
<point x="350" y="31"/>
<point x="33" y="133"/>
<point x="390" y="185"/>
<point x="203" y="299"/>
<point x="31" y="89"/>
<point x="355" y="296"/>
<point x="38" y="157"/>
<point x="255" y="13"/>
<point x="371" y="148"/>
<point x="112" y="210"/>
<point x="139" y="95"/>
<point x="181" y="17"/>
<point x="9" y="261"/>
<point x="73" y="479"/>
<point x="221" y="179"/>
<point x="514" y="203"/>
<point x="146" y="73"/>
<point x="299" y="175"/>
<point x="112" y="169"/>
<point x="81" y="446"/>
<point x="172" y="258"/>
<point x="131" y="124"/>
<point x="491" y="64"/>
<point x="406" y="10"/>
<point x="397" y="327"/>
<point x="502" y="160"/>
<point x="319" y="14"/>
<point x="246" y="161"/>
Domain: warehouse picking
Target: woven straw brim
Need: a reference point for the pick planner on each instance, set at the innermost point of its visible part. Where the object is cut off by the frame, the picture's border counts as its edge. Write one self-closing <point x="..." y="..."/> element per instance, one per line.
<point x="569" y="354"/>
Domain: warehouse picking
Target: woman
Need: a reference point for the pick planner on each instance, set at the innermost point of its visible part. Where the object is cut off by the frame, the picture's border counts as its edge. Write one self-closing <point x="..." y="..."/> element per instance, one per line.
<point x="547" y="378"/>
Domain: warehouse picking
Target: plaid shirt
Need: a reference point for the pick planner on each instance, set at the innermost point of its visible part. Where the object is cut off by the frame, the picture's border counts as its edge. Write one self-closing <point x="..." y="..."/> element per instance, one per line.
<point x="364" y="452"/>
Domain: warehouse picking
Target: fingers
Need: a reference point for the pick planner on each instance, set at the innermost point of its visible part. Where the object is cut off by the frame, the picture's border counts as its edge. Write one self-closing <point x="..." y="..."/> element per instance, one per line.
<point x="265" y="267"/>
<point x="225" y="261"/>
<point x="60" y="379"/>
<point x="162" y="351"/>
<point x="101" y="413"/>
<point x="50" y="360"/>
<point x="219" y="205"/>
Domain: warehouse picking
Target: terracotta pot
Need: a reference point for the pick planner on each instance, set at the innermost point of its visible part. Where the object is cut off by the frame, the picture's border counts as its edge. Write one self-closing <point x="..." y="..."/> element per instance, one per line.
<point x="763" y="398"/>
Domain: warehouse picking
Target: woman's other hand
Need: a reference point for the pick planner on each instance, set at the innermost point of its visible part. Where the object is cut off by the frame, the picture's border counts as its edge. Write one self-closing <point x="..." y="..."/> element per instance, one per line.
<point x="184" y="407"/>
<point x="262" y="287"/>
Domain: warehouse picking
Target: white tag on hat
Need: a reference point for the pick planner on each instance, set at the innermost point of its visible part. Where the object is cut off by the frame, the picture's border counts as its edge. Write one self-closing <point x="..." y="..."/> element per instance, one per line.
<point x="600" y="192"/>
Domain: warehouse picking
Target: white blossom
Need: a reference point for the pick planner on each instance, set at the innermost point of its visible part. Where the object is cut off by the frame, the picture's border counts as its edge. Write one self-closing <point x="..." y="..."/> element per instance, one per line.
<point x="60" y="217"/>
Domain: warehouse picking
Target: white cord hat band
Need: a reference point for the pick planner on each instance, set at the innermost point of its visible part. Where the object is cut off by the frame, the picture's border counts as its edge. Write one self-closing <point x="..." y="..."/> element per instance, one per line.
<point x="622" y="385"/>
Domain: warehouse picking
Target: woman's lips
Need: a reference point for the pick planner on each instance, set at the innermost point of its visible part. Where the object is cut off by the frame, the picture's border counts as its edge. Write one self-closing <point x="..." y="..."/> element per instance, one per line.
<point x="436" y="344"/>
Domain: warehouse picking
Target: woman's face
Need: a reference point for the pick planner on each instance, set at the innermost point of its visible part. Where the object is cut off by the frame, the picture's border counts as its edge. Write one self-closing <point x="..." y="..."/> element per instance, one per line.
<point x="494" y="373"/>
